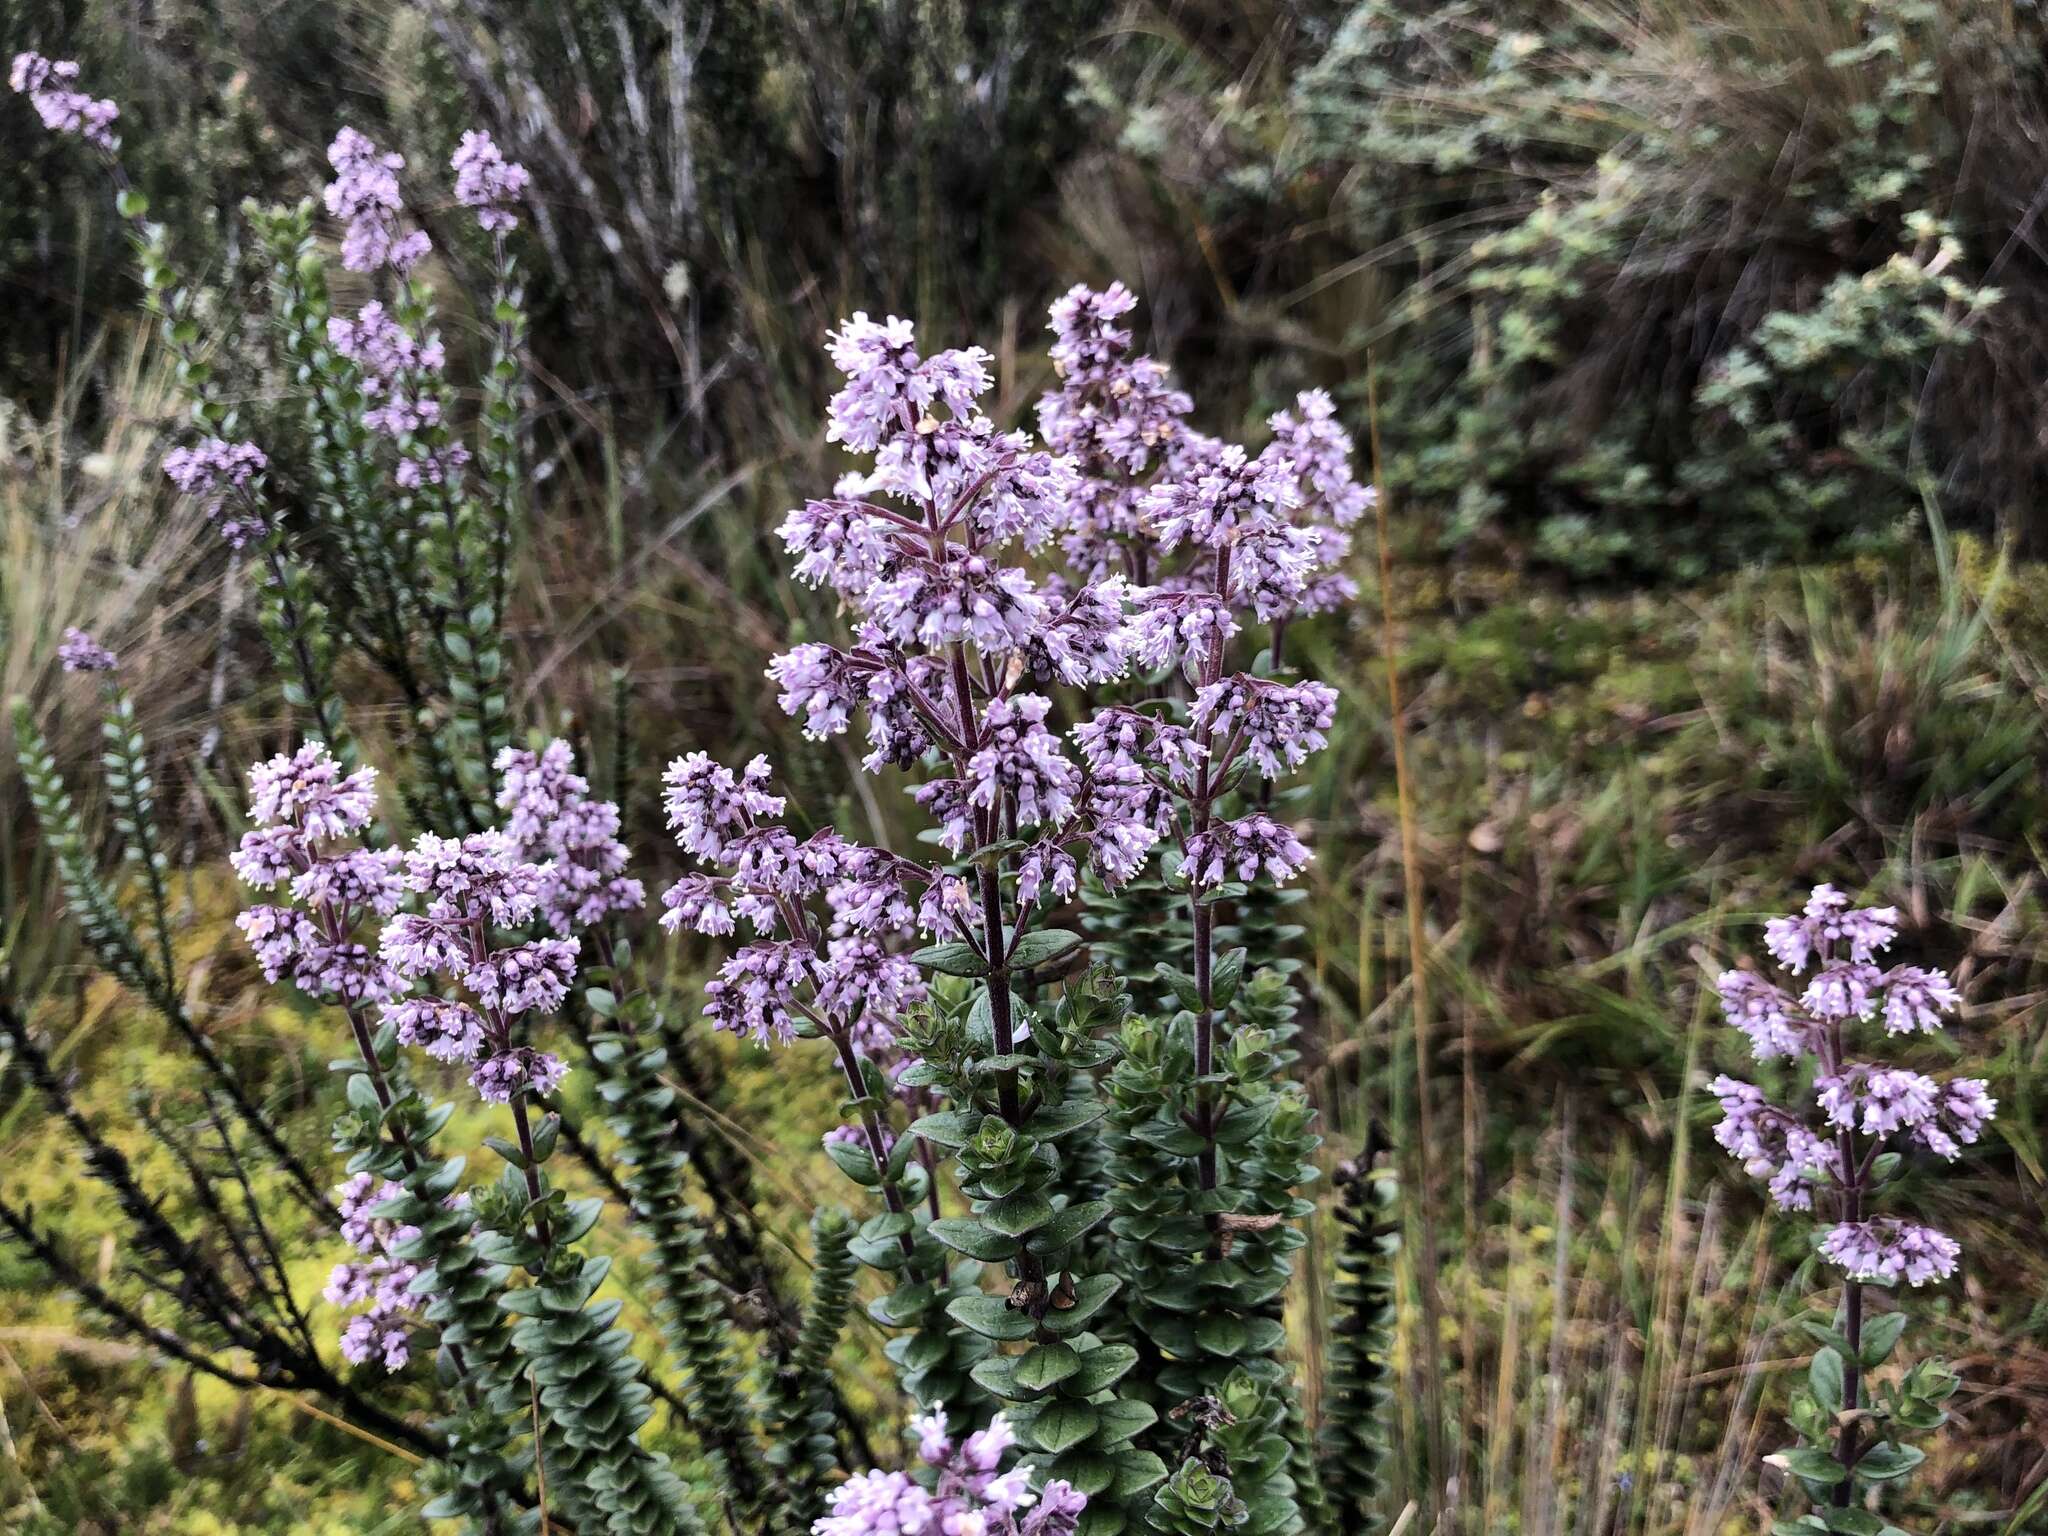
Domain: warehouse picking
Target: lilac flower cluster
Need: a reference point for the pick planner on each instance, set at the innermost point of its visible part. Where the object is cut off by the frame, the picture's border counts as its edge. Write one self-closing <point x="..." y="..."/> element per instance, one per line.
<point x="79" y="652"/>
<point x="468" y="891"/>
<point x="827" y="909"/>
<point x="305" y="809"/>
<point x="552" y="821"/>
<point x="1150" y="488"/>
<point x="944" y="622"/>
<point x="948" y="626"/>
<point x="486" y="181"/>
<point x="219" y="473"/>
<point x="400" y="377"/>
<point x="364" y="195"/>
<point x="1858" y="1109"/>
<point x="378" y="1282"/>
<point x="399" y="358"/>
<point x="50" y="85"/>
<point x="965" y="1493"/>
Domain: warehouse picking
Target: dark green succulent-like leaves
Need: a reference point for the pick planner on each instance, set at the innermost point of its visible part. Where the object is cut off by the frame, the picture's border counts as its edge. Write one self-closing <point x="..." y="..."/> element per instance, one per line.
<point x="1059" y="1380"/>
<point x="933" y="1355"/>
<point x="802" y="1410"/>
<point x="586" y="1381"/>
<point x="1195" y="1501"/>
<point x="1359" y="1374"/>
<point x="131" y="793"/>
<point x="483" y="1477"/>
<point x="689" y="1307"/>
<point x="1252" y="1437"/>
<point x="87" y="897"/>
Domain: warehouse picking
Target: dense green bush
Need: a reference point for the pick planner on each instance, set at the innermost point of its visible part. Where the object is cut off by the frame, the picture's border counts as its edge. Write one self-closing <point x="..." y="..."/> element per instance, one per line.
<point x="1654" y="290"/>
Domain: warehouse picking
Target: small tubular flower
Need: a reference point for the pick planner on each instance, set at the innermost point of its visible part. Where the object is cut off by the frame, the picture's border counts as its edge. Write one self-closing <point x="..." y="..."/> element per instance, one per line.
<point x="1887" y="1251"/>
<point x="1021" y="764"/>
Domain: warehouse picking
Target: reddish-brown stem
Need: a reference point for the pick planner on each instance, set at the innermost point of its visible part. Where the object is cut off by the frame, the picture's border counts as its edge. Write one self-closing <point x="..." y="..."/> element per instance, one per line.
<point x="1205" y="1039"/>
<point x="1002" y="1025"/>
<point x="1847" y="1448"/>
<point x="871" y="1125"/>
<point x="543" y="1230"/>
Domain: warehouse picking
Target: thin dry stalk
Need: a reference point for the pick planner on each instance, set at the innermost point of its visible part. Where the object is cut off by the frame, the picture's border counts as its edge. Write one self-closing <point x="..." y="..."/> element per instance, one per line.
<point x="1411" y="879"/>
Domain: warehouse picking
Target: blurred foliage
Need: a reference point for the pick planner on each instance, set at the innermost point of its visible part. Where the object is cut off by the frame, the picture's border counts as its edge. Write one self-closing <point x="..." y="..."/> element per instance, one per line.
<point x="1657" y="288"/>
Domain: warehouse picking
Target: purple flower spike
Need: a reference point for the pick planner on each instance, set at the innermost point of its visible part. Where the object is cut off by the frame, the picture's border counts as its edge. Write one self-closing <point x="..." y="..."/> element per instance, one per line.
<point x="218" y="474"/>
<point x="364" y="195"/>
<point x="486" y="181"/>
<point x="1826" y="1149"/>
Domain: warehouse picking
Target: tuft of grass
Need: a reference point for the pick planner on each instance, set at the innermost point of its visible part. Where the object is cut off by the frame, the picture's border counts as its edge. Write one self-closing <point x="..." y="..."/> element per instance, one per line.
<point x="87" y="539"/>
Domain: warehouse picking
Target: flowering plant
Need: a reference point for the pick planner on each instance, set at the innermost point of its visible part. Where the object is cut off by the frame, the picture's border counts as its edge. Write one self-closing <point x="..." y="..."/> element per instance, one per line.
<point x="1841" y="1147"/>
<point x="1082" y="1211"/>
<point x="988" y="1032"/>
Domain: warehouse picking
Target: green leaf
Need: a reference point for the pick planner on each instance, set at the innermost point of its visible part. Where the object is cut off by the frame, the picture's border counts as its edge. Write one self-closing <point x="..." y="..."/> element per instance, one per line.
<point x="1042" y="948"/>
<point x="1052" y="1121"/>
<point x="925" y="1349"/>
<point x="1221" y="1334"/>
<point x="1224" y="976"/>
<point x="1183" y="986"/>
<point x="1881" y="1337"/>
<point x="970" y="1237"/>
<point x="578" y="1219"/>
<point x="1833" y="1338"/>
<point x="1887" y="1463"/>
<point x="901" y="1307"/>
<point x="1811" y="1463"/>
<point x="1047" y="1365"/>
<point x="887" y="1226"/>
<point x="1103" y="1367"/>
<point x="990" y="1316"/>
<point x="1136" y="1471"/>
<point x="1061" y="1425"/>
<point x="951" y="1128"/>
<point x="997" y="1376"/>
<point x="1825" y="1377"/>
<point x="1089" y="1471"/>
<point x="1121" y="1420"/>
<point x="950" y="959"/>
<point x="1090" y="1296"/>
<point x="1068" y="1225"/>
<point x="855" y="1162"/>
<point x="1018" y="1214"/>
<point x="362" y="1094"/>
